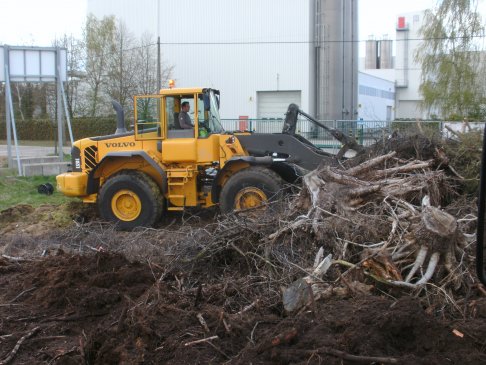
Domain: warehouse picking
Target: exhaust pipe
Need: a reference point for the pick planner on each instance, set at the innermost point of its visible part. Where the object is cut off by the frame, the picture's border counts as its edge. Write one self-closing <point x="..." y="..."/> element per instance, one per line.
<point x="120" y="118"/>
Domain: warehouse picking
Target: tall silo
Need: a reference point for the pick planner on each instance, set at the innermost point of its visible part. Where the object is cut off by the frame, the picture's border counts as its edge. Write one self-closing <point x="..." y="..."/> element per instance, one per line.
<point x="371" y="55"/>
<point x="336" y="59"/>
<point x="386" y="56"/>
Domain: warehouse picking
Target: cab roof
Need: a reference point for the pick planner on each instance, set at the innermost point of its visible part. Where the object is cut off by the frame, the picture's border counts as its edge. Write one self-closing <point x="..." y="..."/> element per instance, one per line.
<point x="188" y="90"/>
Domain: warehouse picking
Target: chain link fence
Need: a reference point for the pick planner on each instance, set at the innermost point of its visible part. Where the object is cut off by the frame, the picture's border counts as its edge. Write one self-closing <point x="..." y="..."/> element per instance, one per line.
<point x="365" y="132"/>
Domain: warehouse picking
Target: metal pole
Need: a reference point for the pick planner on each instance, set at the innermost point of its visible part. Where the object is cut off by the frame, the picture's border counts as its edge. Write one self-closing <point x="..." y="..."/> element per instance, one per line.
<point x="7" y="110"/>
<point x="159" y="81"/>
<point x="8" y="95"/>
<point x="66" y="113"/>
<point x="159" y="76"/>
<point x="60" y="85"/>
<point x="60" y="127"/>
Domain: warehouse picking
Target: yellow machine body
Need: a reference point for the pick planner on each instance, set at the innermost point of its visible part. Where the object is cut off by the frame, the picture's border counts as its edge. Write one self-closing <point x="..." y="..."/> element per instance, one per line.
<point x="174" y="158"/>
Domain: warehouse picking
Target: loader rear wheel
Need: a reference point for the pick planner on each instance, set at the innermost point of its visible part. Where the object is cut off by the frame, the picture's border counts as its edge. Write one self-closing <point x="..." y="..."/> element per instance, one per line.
<point x="250" y="188"/>
<point x="130" y="199"/>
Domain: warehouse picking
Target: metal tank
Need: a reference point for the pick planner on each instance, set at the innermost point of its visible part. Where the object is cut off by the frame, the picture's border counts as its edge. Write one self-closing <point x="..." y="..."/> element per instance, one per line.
<point x="336" y="59"/>
<point x="386" y="56"/>
<point x="371" y="56"/>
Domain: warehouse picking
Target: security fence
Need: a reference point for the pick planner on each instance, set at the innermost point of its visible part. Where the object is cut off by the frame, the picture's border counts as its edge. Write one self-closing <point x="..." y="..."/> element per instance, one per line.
<point x="365" y="132"/>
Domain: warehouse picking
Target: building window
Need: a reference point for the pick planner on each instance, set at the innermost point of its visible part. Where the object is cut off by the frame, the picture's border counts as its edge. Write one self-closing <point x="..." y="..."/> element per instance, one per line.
<point x="371" y="91"/>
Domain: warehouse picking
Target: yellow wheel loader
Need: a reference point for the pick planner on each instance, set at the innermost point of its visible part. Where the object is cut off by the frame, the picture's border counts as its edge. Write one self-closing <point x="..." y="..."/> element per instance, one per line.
<point x="134" y="176"/>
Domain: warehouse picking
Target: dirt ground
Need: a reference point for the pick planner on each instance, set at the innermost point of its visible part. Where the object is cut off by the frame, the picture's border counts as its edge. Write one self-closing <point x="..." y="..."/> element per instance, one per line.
<point x="101" y="308"/>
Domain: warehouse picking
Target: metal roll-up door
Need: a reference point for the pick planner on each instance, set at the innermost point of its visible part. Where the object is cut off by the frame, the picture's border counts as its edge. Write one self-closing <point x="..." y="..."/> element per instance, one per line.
<point x="271" y="109"/>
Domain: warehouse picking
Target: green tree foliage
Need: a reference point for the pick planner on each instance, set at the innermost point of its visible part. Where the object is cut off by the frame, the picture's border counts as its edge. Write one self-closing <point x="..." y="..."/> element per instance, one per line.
<point x="453" y="66"/>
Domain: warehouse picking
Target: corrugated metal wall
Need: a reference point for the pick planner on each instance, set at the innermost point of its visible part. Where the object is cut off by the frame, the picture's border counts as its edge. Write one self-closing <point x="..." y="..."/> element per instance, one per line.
<point x="240" y="46"/>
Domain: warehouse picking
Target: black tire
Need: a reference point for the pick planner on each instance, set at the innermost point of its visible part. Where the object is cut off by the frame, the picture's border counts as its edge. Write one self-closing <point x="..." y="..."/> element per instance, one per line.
<point x="141" y="190"/>
<point x="260" y="178"/>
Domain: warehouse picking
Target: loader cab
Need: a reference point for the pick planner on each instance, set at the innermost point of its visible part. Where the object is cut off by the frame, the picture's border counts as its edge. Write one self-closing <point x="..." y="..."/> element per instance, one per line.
<point x="203" y="112"/>
<point x="157" y="119"/>
<point x="157" y="116"/>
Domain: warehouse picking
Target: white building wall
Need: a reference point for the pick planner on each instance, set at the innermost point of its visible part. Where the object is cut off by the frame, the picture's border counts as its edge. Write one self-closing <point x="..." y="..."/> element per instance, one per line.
<point x="408" y="71"/>
<point x="239" y="47"/>
<point x="376" y="98"/>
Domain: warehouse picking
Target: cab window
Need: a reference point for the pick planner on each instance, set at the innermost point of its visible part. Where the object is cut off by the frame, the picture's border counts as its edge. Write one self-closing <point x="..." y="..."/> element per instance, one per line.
<point x="147" y="117"/>
<point x="208" y="115"/>
<point x="179" y="111"/>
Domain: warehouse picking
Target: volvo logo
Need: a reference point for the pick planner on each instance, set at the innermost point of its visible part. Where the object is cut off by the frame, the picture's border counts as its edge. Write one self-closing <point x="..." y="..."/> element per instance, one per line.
<point x="120" y="144"/>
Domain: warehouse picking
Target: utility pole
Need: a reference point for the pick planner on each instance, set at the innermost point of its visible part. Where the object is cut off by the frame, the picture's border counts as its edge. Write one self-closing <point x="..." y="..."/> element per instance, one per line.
<point x="159" y="81"/>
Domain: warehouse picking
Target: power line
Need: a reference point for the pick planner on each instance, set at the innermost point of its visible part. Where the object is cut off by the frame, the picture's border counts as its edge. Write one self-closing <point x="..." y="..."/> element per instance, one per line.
<point x="315" y="42"/>
<point x="296" y="42"/>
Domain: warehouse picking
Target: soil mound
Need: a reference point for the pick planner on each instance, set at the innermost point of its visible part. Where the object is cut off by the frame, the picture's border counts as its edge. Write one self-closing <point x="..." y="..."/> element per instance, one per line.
<point x="103" y="309"/>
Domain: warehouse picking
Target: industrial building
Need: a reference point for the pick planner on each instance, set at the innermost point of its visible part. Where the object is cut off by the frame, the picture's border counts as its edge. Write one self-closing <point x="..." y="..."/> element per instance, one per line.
<point x="263" y="54"/>
<point x="401" y="69"/>
<point x="376" y="98"/>
<point x="408" y="71"/>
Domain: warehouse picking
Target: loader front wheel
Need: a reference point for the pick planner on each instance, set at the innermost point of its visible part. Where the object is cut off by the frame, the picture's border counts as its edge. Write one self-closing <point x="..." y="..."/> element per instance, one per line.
<point x="250" y="188"/>
<point x="130" y="199"/>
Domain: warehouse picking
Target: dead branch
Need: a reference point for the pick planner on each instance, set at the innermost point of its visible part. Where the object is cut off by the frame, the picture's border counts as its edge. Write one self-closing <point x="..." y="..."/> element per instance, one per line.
<point x="452" y="131"/>
<point x="367" y="165"/>
<point x="16" y="259"/>
<point x="18" y="344"/>
<point x="248" y="307"/>
<point x="22" y="293"/>
<point x="203" y="322"/>
<point x="201" y="341"/>
<point x="402" y="169"/>
<point x="355" y="358"/>
<point x="64" y="353"/>
<point x="341" y="176"/>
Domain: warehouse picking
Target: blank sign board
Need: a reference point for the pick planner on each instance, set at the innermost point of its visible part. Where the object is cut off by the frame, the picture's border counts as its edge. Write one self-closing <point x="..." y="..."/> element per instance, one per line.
<point x="32" y="64"/>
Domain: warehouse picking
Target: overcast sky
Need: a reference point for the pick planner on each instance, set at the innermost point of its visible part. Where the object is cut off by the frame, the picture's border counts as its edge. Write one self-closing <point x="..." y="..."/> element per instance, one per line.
<point x="39" y="22"/>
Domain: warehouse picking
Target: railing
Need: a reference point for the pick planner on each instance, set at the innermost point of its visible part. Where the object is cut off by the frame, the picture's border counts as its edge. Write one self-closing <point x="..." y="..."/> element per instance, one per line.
<point x="365" y="132"/>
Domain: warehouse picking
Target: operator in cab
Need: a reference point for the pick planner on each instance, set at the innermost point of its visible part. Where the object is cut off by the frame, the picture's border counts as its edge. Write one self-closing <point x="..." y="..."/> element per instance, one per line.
<point x="184" y="118"/>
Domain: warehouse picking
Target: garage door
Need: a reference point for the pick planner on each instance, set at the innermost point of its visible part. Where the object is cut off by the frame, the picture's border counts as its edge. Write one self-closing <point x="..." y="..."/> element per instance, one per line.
<point x="273" y="104"/>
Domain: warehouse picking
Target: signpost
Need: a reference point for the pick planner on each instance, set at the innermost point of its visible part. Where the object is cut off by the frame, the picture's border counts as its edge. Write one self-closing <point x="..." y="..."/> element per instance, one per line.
<point x="33" y="64"/>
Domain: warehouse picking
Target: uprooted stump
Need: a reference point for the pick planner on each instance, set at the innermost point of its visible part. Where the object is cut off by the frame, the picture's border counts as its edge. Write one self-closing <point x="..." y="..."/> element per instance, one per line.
<point x="381" y="217"/>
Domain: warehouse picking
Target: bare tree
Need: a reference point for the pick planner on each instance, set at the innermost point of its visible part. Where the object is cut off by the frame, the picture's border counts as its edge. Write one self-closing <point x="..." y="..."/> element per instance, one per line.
<point x="100" y="44"/>
<point x="76" y="59"/>
<point x="121" y="84"/>
<point x="146" y="72"/>
<point x="117" y="65"/>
